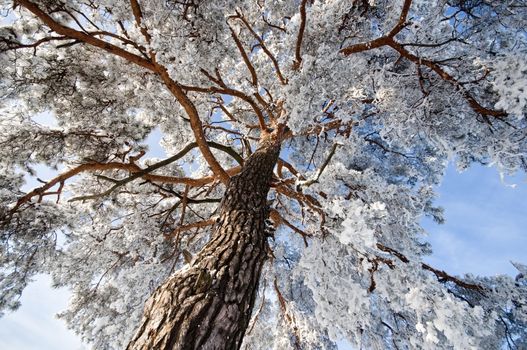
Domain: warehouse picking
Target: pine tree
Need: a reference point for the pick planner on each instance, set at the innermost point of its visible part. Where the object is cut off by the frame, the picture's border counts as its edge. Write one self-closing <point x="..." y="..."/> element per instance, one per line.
<point x="303" y="141"/>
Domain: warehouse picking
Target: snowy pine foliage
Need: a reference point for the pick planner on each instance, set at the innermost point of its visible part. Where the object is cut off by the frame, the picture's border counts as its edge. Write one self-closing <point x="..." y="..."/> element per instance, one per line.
<point x="377" y="97"/>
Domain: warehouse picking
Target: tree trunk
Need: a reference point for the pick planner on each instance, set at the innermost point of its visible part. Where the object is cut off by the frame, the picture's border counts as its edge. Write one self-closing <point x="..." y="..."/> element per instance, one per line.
<point x="209" y="304"/>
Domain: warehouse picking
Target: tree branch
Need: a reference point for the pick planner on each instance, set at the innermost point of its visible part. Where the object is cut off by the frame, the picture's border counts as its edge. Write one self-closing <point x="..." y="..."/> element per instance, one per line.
<point x="300" y="36"/>
<point x="442" y="276"/>
<point x="138" y="15"/>
<point x="83" y="37"/>
<point x="133" y="168"/>
<point x="195" y="123"/>
<point x="172" y="85"/>
<point x="389" y="40"/>
<point x="146" y="171"/>
<point x="245" y="58"/>
<point x="198" y="224"/>
<point x="264" y="48"/>
<point x="309" y="182"/>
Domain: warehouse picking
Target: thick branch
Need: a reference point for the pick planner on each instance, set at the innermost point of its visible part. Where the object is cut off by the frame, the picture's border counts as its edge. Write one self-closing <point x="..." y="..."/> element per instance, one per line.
<point x="136" y="171"/>
<point x="195" y="123"/>
<point x="83" y="37"/>
<point x="172" y="85"/>
<point x="138" y="15"/>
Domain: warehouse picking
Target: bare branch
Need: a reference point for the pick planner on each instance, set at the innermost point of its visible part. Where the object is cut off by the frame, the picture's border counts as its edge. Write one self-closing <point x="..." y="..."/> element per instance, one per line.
<point x="309" y="182"/>
<point x="442" y="276"/>
<point x="83" y="37"/>
<point x="138" y="15"/>
<point x="264" y="48"/>
<point x="300" y="36"/>
<point x="198" y="224"/>
<point x="143" y="172"/>
<point x="245" y="58"/>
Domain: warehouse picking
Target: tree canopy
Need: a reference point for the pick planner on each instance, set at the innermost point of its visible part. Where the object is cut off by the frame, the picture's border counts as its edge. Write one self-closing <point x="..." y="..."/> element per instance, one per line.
<point x="372" y="99"/>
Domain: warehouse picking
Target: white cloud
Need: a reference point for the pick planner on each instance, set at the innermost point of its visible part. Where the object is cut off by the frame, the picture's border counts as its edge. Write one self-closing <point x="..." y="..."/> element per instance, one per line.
<point x="34" y="325"/>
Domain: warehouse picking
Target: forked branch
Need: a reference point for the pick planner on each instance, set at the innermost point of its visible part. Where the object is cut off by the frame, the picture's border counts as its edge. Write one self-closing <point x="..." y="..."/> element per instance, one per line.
<point x="151" y="65"/>
<point x="389" y="40"/>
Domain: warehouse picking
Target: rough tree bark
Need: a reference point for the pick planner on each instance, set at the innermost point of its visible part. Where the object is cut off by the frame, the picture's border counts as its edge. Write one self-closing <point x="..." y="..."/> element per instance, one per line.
<point x="209" y="304"/>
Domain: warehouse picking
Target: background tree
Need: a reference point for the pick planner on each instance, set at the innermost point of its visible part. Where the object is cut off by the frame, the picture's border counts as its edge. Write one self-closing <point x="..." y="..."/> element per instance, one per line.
<point x="367" y="101"/>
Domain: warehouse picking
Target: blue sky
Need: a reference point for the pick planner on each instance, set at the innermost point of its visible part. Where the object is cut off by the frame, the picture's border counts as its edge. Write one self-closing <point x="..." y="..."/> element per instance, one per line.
<point x="486" y="222"/>
<point x="485" y="229"/>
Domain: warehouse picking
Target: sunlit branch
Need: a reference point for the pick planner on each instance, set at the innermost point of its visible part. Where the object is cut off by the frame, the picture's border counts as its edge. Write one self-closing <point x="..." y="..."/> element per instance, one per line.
<point x="245" y="58"/>
<point x="300" y="36"/>
<point x="172" y="85"/>
<point x="264" y="47"/>
<point x="136" y="171"/>
<point x="86" y="38"/>
<point x="198" y="224"/>
<point x="146" y="171"/>
<point x="195" y="123"/>
<point x="389" y="40"/>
